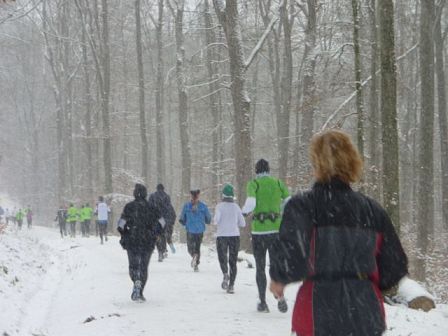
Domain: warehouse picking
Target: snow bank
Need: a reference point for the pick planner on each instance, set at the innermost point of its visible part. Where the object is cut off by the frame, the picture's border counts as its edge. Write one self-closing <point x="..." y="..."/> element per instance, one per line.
<point x="25" y="270"/>
<point x="409" y="289"/>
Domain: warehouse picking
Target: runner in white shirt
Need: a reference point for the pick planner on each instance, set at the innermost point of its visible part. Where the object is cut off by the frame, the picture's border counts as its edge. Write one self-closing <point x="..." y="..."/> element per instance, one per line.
<point x="228" y="218"/>
<point x="102" y="211"/>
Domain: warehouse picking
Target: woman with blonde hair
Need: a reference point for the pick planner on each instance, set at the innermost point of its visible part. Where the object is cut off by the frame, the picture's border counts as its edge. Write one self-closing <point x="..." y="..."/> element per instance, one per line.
<point x="341" y="244"/>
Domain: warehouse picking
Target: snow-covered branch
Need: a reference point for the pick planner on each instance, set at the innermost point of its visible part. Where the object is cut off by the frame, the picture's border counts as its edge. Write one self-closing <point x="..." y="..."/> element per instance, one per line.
<point x="353" y="95"/>
<point x="260" y="43"/>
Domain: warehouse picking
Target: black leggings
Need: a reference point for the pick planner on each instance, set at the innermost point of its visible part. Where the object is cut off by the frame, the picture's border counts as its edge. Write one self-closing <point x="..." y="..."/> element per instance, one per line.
<point x="169" y="233"/>
<point x="103" y="230"/>
<point x="73" y="229"/>
<point x="138" y="264"/>
<point x="261" y="244"/>
<point x="194" y="241"/>
<point x="62" y="228"/>
<point x="161" y="242"/>
<point x="85" y="227"/>
<point x="228" y="253"/>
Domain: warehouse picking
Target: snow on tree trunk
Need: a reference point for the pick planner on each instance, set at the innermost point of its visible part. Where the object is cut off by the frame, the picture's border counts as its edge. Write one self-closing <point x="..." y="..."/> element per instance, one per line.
<point x="213" y="98"/>
<point x="141" y="92"/>
<point x="442" y="111"/>
<point x="309" y="102"/>
<point x="105" y="97"/>
<point x="229" y="19"/>
<point x="425" y="188"/>
<point x="390" y="174"/>
<point x="183" y="101"/>
<point x="160" y="155"/>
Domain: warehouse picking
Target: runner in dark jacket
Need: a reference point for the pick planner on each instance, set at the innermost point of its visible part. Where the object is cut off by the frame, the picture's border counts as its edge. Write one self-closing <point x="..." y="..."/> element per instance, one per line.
<point x="61" y="217"/>
<point x="139" y="227"/>
<point x="341" y="243"/>
<point x="161" y="200"/>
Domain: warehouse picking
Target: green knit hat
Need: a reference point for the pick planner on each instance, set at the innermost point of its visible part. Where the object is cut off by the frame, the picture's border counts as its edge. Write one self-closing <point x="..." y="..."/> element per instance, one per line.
<point x="227" y="191"/>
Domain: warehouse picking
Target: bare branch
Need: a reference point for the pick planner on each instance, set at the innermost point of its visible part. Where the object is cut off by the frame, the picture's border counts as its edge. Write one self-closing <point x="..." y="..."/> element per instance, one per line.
<point x="353" y="95"/>
<point x="260" y="43"/>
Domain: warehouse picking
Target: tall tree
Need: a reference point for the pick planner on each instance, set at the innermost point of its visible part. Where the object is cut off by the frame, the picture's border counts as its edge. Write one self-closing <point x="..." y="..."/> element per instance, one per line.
<point x="375" y="143"/>
<point x="160" y="156"/>
<point x="105" y="98"/>
<point x="309" y="104"/>
<point x="390" y="175"/>
<point x="183" y="97"/>
<point x="87" y="106"/>
<point x="286" y="21"/>
<point x="141" y="92"/>
<point x="425" y="191"/>
<point x="215" y="109"/>
<point x="229" y="19"/>
<point x="358" y="72"/>
<point x="442" y="108"/>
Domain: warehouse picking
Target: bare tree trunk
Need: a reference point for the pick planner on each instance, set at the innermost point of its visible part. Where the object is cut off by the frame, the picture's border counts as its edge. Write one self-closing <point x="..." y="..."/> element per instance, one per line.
<point x="390" y="175"/>
<point x="160" y="156"/>
<point x="105" y="97"/>
<point x="358" y="74"/>
<point x="60" y="106"/>
<point x="442" y="111"/>
<point x="213" y="96"/>
<point x="375" y="141"/>
<point x="88" y="115"/>
<point x="141" y="92"/>
<point x="126" y="101"/>
<point x="274" y="71"/>
<point x="286" y="92"/>
<point x="64" y="21"/>
<point x="183" y="100"/>
<point x="309" y="104"/>
<point x="229" y="19"/>
<point x="425" y="191"/>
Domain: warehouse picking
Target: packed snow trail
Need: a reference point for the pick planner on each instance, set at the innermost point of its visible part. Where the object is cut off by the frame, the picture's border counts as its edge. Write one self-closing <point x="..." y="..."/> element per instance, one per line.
<point x="79" y="287"/>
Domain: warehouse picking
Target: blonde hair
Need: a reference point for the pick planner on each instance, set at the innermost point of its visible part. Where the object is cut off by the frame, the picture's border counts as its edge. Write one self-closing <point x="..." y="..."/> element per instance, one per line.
<point x="333" y="154"/>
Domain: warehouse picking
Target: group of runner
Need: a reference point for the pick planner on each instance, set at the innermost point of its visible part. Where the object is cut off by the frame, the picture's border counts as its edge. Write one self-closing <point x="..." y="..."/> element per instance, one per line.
<point x="17" y="216"/>
<point x="340" y="243"/>
<point x="84" y="215"/>
<point x="147" y="223"/>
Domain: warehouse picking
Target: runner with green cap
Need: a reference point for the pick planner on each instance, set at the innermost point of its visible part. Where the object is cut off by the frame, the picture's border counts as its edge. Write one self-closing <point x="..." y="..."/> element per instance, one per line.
<point x="228" y="218"/>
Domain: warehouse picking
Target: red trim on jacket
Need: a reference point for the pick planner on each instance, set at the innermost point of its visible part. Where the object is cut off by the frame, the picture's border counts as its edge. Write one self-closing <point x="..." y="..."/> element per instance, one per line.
<point x="302" y="317"/>
<point x="375" y="277"/>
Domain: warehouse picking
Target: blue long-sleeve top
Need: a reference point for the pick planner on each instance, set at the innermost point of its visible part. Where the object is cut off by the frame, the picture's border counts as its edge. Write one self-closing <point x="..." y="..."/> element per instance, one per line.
<point x="194" y="218"/>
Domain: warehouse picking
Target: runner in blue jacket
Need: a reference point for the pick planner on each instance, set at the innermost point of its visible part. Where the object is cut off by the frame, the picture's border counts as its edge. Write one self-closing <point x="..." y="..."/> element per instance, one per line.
<point x="194" y="216"/>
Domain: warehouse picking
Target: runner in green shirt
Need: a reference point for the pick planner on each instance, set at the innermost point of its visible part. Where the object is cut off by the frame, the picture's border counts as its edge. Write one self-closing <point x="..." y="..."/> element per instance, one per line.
<point x="72" y="218"/>
<point x="265" y="197"/>
<point x="86" y="218"/>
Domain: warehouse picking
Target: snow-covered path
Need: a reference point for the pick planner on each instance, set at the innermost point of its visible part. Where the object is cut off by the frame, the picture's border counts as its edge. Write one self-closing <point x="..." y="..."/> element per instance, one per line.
<point x="52" y="286"/>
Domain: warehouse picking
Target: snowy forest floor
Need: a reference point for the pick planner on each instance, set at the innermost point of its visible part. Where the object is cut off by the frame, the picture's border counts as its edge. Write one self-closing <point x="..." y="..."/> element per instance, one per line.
<point x="51" y="286"/>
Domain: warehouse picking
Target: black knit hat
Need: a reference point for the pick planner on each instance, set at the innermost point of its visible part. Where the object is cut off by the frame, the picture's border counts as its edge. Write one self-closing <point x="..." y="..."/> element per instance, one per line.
<point x="140" y="191"/>
<point x="262" y="166"/>
<point x="195" y="191"/>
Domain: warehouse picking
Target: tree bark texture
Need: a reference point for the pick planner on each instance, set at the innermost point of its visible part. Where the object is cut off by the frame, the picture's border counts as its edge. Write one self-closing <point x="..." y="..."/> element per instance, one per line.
<point x="141" y="92"/>
<point x="425" y="189"/>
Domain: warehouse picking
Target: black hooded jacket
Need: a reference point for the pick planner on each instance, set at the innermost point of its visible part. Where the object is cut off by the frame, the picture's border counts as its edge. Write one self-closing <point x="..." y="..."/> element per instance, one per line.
<point x="161" y="200"/>
<point x="140" y="229"/>
<point x="344" y="246"/>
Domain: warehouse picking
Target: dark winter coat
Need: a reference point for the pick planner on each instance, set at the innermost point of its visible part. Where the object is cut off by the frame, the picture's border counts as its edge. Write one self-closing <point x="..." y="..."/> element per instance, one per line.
<point x="344" y="246"/>
<point x="161" y="200"/>
<point x="61" y="216"/>
<point x="140" y="230"/>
